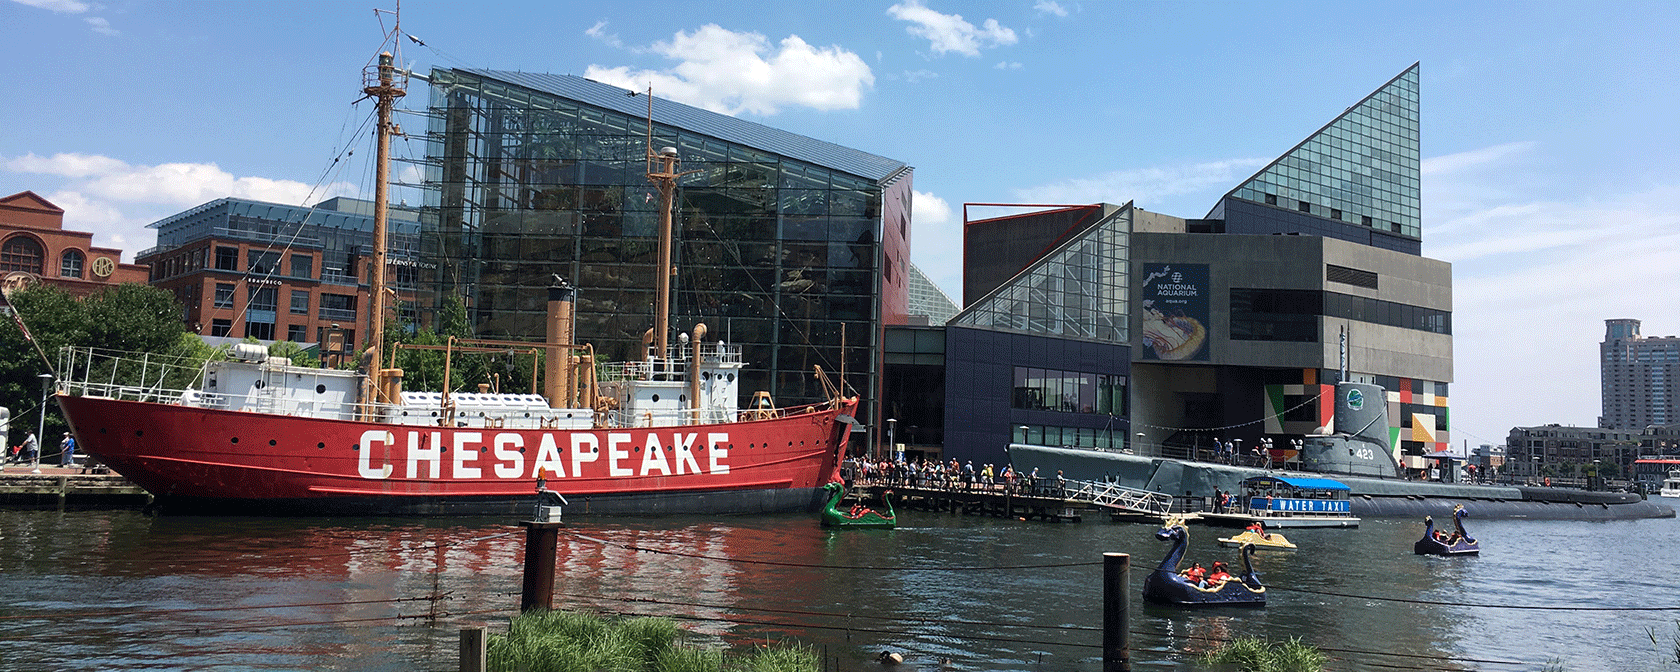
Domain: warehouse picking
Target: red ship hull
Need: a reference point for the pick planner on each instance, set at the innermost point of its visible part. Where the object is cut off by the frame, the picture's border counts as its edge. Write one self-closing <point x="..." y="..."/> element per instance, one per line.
<point x="216" y="461"/>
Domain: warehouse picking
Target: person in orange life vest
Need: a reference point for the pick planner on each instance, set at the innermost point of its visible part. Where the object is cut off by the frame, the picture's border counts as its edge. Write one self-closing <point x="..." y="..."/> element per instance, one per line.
<point x="1219" y="576"/>
<point x="1196" y="574"/>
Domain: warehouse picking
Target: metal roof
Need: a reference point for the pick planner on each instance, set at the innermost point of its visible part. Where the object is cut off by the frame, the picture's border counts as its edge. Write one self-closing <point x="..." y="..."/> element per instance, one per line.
<point x="689" y="118"/>
<point x="1302" y="483"/>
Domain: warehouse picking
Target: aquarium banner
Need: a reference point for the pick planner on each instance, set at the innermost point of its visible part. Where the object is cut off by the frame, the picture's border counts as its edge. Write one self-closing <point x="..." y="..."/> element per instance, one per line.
<point x="1175" y="312"/>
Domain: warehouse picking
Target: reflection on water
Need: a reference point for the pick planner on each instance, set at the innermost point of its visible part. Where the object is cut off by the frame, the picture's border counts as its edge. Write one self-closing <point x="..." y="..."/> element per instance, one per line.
<point x="120" y="591"/>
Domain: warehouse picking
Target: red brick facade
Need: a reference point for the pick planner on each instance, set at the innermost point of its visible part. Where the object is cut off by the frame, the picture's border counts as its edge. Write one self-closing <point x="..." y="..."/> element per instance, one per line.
<point x="35" y="248"/>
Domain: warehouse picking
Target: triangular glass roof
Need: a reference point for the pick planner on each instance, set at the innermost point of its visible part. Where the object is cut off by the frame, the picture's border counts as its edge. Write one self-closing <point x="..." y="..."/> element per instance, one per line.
<point x="926" y="298"/>
<point x="1362" y="168"/>
<point x="1079" y="290"/>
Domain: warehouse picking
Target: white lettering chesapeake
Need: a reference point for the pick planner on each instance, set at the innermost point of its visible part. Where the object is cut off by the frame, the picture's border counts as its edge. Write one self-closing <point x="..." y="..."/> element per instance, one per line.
<point x="510" y="463"/>
<point x="654" y="458"/>
<point x="615" y="452"/>
<point x="715" y="453"/>
<point x="364" y="457"/>
<point x="580" y="456"/>
<point x="416" y="454"/>
<point x="548" y="459"/>
<point x="463" y="455"/>
<point x="683" y="451"/>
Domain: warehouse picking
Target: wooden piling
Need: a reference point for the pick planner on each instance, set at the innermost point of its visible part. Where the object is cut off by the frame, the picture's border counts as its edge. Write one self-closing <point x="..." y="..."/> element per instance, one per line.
<point x="1117" y="605"/>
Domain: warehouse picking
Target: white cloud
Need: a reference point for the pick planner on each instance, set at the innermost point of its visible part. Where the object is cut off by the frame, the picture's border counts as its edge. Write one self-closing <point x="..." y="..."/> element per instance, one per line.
<point x="1050" y="7"/>
<point x="1144" y="185"/>
<point x="598" y="31"/>
<point x="729" y="72"/>
<point x="115" y="200"/>
<point x="949" y="32"/>
<point x="914" y="76"/>
<point x="59" y="6"/>
<point x="101" y="26"/>
<point x="1007" y="65"/>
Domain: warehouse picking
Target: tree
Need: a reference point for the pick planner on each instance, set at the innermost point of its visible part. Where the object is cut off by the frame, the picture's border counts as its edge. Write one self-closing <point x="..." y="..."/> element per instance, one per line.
<point x="130" y="317"/>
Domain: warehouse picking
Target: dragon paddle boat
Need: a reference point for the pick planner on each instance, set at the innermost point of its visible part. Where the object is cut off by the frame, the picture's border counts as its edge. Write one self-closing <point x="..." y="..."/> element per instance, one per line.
<point x="1439" y="542"/>
<point x="857" y="516"/>
<point x="1166" y="585"/>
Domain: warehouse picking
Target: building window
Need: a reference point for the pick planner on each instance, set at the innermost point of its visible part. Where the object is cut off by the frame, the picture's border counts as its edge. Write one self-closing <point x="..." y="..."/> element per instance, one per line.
<point x="303" y="266"/>
<point x="263" y="298"/>
<point x="70" y="266"/>
<point x="227" y="258"/>
<point x="1303" y="206"/>
<point x="338" y="307"/>
<point x="21" y="253"/>
<point x="262" y="262"/>
<point x="220" y="327"/>
<point x="300" y="302"/>
<point x="1068" y="391"/>
<point x="1335" y="213"/>
<point x="1365" y="219"/>
<point x="1271" y="199"/>
<point x="224" y="295"/>
<point x="296" y="333"/>
<point x="260" y="330"/>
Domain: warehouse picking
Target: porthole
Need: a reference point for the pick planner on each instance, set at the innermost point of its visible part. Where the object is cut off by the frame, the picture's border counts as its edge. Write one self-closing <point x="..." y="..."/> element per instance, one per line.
<point x="272" y="442"/>
<point x="260" y="384"/>
<point x="139" y="432"/>
<point x="321" y="445"/>
<point x="236" y="439"/>
<point x="682" y="398"/>
<point x="730" y="378"/>
<point x="656" y="398"/>
<point x="320" y="389"/>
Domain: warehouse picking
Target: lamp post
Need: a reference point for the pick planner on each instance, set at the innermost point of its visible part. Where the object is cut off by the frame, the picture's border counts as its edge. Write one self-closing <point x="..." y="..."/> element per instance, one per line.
<point x="41" y="426"/>
<point x="1139" y="445"/>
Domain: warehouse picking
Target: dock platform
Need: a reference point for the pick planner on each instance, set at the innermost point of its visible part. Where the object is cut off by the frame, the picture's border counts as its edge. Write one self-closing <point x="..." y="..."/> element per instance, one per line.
<point x="62" y="488"/>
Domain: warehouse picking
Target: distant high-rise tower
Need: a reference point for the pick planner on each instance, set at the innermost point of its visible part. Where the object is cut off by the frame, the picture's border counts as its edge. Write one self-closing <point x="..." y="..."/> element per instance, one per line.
<point x="1638" y="377"/>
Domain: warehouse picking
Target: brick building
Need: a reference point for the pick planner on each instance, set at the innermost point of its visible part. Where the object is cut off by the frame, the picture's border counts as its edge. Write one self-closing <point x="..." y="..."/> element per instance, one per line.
<point x="36" y="248"/>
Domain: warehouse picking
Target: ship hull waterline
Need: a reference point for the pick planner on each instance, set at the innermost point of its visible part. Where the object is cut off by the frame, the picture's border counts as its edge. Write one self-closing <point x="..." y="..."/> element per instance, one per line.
<point x="201" y="460"/>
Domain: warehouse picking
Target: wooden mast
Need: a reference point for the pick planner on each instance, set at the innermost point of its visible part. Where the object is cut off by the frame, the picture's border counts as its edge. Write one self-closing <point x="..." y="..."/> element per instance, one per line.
<point x="383" y="85"/>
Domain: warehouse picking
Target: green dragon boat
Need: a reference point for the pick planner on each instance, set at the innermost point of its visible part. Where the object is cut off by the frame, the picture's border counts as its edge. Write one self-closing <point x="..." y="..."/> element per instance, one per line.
<point x="858" y="516"/>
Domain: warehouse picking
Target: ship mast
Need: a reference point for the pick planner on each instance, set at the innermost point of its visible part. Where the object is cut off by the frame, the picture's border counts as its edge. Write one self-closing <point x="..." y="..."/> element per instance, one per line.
<point x="383" y="84"/>
<point x="664" y="177"/>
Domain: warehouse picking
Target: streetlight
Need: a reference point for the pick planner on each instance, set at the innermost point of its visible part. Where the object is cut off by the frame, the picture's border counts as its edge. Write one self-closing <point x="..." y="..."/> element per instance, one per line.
<point x="41" y="427"/>
<point x="1139" y="445"/>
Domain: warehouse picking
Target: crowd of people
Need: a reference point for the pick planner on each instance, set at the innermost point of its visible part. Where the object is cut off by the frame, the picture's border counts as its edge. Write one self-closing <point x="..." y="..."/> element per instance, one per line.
<point x="953" y="475"/>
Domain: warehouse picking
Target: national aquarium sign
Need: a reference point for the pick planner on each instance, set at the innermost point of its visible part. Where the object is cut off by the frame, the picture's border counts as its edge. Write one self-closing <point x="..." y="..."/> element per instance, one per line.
<point x="1175" y="312"/>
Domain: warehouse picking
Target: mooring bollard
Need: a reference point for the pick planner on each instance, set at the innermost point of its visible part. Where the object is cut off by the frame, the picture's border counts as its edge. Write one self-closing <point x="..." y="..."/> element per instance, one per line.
<point x="1117" y="606"/>
<point x="542" y="540"/>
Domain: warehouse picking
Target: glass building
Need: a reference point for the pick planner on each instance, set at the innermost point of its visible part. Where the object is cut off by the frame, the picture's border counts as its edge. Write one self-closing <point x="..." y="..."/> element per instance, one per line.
<point x="794" y="248"/>
<point x="1357" y="178"/>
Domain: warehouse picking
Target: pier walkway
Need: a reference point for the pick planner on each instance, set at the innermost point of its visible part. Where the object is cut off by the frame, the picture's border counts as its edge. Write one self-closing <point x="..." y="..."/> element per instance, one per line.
<point x="1044" y="500"/>
<point x="57" y="487"/>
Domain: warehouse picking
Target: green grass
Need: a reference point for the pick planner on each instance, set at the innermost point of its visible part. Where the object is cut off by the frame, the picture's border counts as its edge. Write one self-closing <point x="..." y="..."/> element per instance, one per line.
<point x="1252" y="654"/>
<point x="562" y="641"/>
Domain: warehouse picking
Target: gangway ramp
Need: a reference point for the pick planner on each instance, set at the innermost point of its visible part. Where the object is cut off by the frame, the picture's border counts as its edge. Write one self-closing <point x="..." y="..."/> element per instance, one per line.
<point x="1119" y="498"/>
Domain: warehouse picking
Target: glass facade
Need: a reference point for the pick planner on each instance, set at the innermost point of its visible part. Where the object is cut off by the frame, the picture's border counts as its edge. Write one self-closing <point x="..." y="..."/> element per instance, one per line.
<point x="780" y="255"/>
<point x="1077" y="291"/>
<point x="928" y="300"/>
<point x="1363" y="168"/>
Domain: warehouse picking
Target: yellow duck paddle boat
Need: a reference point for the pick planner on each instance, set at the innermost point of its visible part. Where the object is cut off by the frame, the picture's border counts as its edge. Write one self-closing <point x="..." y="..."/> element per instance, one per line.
<point x="1260" y="540"/>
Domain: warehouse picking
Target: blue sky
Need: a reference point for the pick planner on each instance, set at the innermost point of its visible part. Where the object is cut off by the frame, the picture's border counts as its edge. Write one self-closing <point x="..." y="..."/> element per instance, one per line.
<point x="1549" y="128"/>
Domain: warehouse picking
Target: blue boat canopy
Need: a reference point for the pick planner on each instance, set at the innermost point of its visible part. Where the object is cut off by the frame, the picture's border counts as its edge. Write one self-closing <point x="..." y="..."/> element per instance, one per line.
<point x="1299" y="483"/>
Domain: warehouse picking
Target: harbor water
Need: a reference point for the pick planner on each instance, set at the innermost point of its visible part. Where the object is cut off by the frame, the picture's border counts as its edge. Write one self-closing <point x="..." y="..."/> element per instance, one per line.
<point x="117" y="590"/>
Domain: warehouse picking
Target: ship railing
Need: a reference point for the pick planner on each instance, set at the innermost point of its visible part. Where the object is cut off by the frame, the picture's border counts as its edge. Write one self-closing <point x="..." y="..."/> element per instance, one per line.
<point x="97" y="372"/>
<point x="669" y="418"/>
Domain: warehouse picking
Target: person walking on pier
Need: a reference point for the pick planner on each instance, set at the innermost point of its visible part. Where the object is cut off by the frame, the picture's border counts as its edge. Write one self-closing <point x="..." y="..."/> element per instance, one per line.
<point x="67" y="451"/>
<point x="31" y="447"/>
